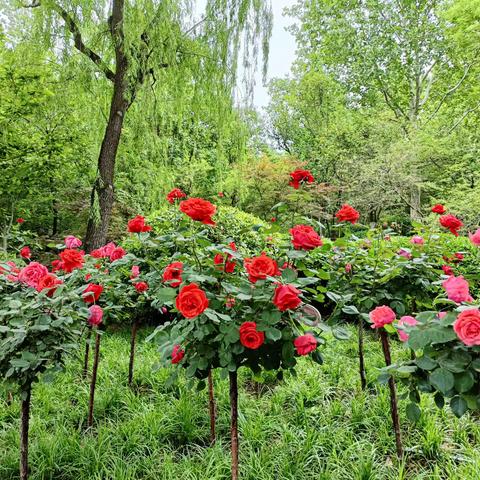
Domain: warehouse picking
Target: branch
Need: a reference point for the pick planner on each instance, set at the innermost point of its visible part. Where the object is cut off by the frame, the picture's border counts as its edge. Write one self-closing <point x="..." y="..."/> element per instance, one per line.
<point x="79" y="44"/>
<point x="462" y="118"/>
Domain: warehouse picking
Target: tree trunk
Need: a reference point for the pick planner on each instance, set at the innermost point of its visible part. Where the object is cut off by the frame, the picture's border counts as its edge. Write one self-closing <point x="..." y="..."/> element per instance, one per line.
<point x="87" y="352"/>
<point x="393" y="394"/>
<point x="211" y="407"/>
<point x="361" y="358"/>
<point x="234" y="423"/>
<point x="102" y="196"/>
<point x="94" y="380"/>
<point x="24" y="426"/>
<point x="416" y="203"/>
<point x="132" y="352"/>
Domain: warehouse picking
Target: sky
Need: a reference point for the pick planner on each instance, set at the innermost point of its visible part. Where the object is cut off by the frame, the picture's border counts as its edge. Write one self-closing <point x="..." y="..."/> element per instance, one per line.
<point x="282" y="51"/>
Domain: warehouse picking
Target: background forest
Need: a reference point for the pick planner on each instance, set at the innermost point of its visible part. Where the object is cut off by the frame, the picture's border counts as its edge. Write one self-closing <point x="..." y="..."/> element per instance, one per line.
<point x="382" y="105"/>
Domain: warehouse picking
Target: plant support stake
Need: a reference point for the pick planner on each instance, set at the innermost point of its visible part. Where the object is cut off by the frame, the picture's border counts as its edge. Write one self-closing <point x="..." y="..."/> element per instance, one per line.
<point x="24" y="426"/>
<point x="234" y="423"/>
<point x="361" y="358"/>
<point x="393" y="394"/>
<point x="94" y="380"/>
<point x="211" y="407"/>
<point x="87" y="352"/>
<point x="132" y="352"/>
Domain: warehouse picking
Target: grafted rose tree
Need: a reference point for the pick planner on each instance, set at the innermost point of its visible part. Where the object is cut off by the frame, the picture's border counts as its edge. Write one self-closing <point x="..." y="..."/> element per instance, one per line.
<point x="447" y="346"/>
<point x="41" y="318"/>
<point x="232" y="311"/>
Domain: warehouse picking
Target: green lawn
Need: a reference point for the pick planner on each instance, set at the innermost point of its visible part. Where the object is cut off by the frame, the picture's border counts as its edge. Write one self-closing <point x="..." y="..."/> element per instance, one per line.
<point x="318" y="425"/>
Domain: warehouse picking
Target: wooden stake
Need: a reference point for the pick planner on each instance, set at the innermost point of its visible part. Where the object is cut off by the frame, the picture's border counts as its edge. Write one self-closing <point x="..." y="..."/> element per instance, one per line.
<point x="393" y="394"/>
<point x="94" y="380"/>
<point x="87" y="352"/>
<point x="24" y="426"/>
<point x="361" y="358"/>
<point x="132" y="352"/>
<point x="234" y="423"/>
<point x="212" y="408"/>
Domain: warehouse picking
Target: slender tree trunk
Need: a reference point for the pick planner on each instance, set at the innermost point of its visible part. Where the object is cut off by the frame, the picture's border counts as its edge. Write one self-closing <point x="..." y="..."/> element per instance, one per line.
<point x="211" y="407"/>
<point x="393" y="394"/>
<point x="132" y="352"/>
<point x="94" y="380"/>
<point x="361" y="358"/>
<point x="102" y="196"/>
<point x="234" y="423"/>
<point x="24" y="426"/>
<point x="87" y="352"/>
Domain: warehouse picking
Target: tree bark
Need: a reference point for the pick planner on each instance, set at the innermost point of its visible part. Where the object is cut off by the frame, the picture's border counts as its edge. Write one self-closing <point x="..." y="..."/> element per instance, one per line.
<point x="102" y="196"/>
<point x="393" y="394"/>
<point x="93" y="382"/>
<point x="361" y="358"/>
<point x="234" y="423"/>
<point x="87" y="352"/>
<point x="132" y="352"/>
<point x="212" y="408"/>
<point x="24" y="426"/>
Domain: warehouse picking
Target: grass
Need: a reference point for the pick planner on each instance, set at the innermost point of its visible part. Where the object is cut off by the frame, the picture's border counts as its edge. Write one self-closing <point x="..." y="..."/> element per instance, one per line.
<point x="318" y="425"/>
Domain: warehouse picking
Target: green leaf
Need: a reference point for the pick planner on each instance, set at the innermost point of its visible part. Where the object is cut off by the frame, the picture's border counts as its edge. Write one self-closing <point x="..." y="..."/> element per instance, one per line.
<point x="289" y="275"/>
<point x="273" y="334"/>
<point x="426" y="363"/>
<point x="464" y="382"/>
<point x="442" y="379"/>
<point x="413" y="412"/>
<point x="458" y="405"/>
<point x="350" y="310"/>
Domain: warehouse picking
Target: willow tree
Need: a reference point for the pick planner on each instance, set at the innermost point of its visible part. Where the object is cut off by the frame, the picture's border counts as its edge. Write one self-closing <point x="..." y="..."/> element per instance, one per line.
<point x="135" y="44"/>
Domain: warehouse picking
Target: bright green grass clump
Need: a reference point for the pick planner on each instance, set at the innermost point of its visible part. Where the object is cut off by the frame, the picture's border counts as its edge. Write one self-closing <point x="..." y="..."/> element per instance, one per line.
<point x="318" y="425"/>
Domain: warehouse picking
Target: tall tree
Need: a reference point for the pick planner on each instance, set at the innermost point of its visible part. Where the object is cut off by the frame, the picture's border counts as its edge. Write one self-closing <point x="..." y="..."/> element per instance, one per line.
<point x="135" y="43"/>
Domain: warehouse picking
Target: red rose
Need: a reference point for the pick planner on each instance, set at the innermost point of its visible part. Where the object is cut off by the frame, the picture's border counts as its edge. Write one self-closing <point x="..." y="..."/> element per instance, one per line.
<point x="191" y="301"/>
<point x="305" y="237"/>
<point x="173" y="274"/>
<point x="259" y="268"/>
<point x="459" y="256"/>
<point x="25" y="252"/>
<point x="228" y="265"/>
<point x="97" y="253"/>
<point x="71" y="259"/>
<point x="20" y="220"/>
<point x="199" y="209"/>
<point x="137" y="225"/>
<point x="221" y="194"/>
<point x="141" y="287"/>
<point x="286" y="297"/>
<point x="117" y="254"/>
<point x="32" y="273"/>
<point x="305" y="344"/>
<point x="347" y="214"/>
<point x="451" y="222"/>
<point x="273" y="219"/>
<point x="175" y="194"/>
<point x="177" y="354"/>
<point x="250" y="337"/>
<point x="438" y="208"/>
<point x="48" y="282"/>
<point x="447" y="270"/>
<point x="92" y="293"/>
<point x="300" y="176"/>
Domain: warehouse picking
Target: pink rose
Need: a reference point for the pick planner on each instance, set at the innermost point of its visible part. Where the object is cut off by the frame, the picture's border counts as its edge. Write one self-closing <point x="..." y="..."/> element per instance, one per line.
<point x="441" y="315"/>
<point x="382" y="316"/>
<point x="475" y="238"/>
<point x="404" y="253"/>
<point x="108" y="249"/>
<point x="135" y="272"/>
<point x="72" y="242"/>
<point x="417" y="240"/>
<point x="467" y="327"/>
<point x="95" y="315"/>
<point x="305" y="344"/>
<point x="405" y="320"/>
<point x="457" y="289"/>
<point x="348" y="268"/>
<point x="32" y="273"/>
